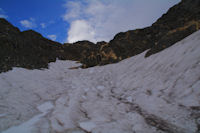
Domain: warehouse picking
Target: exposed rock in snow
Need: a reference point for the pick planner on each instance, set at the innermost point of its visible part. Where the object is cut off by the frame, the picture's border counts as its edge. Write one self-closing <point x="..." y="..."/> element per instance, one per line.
<point x="156" y="95"/>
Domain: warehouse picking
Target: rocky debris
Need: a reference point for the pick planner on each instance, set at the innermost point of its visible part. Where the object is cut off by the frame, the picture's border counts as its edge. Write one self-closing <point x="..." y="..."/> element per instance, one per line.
<point x="31" y="50"/>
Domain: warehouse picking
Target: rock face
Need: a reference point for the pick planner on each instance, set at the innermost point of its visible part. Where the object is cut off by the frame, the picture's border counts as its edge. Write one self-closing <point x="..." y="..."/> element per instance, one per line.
<point x="30" y="49"/>
<point x="180" y="21"/>
<point x="26" y="49"/>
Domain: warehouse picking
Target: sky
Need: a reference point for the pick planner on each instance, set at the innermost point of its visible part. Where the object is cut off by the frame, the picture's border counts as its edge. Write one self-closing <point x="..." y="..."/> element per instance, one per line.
<point x="76" y="20"/>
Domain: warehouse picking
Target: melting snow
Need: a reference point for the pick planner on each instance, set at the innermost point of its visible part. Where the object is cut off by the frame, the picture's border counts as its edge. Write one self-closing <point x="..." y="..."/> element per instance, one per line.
<point x="87" y="126"/>
<point x="27" y="127"/>
<point x="157" y="94"/>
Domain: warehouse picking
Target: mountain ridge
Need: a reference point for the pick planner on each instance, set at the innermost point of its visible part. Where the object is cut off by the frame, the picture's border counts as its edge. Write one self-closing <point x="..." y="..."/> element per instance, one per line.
<point x="29" y="49"/>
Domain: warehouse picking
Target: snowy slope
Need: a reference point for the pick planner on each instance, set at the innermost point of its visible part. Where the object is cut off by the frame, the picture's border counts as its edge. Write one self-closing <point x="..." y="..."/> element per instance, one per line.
<point x="157" y="94"/>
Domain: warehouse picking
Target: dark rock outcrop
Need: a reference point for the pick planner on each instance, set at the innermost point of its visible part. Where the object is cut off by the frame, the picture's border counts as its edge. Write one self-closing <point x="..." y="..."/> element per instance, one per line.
<point x="29" y="49"/>
<point x="26" y="49"/>
<point x="179" y="22"/>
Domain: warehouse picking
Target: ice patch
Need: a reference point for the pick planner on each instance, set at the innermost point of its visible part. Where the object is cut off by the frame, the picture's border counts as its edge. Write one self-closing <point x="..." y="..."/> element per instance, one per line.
<point x="88" y="125"/>
<point x="45" y="107"/>
<point x="2" y="115"/>
<point x="137" y="127"/>
<point x="27" y="127"/>
<point x="100" y="87"/>
<point x="129" y="99"/>
<point x="86" y="89"/>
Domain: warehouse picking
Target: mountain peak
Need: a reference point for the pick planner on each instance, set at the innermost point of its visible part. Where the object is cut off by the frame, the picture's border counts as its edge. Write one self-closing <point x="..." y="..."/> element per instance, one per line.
<point x="5" y="26"/>
<point x="32" y="33"/>
<point x="3" y="21"/>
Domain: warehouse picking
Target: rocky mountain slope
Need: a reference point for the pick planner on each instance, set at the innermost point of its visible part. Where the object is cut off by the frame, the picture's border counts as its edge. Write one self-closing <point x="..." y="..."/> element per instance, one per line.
<point x="158" y="94"/>
<point x="29" y="49"/>
<point x="180" y="21"/>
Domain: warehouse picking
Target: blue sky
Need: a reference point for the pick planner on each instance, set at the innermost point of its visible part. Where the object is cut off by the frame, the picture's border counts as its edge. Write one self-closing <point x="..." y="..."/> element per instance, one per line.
<point x="45" y="15"/>
<point x="73" y="20"/>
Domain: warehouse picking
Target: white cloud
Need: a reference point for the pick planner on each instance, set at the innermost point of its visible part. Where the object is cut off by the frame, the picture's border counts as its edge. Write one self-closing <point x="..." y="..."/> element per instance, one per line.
<point x="43" y="25"/>
<point x="80" y="30"/>
<point x="46" y="24"/>
<point x="100" y="20"/>
<point x="52" y="37"/>
<point x="3" y="14"/>
<point x="74" y="11"/>
<point x="28" y="23"/>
